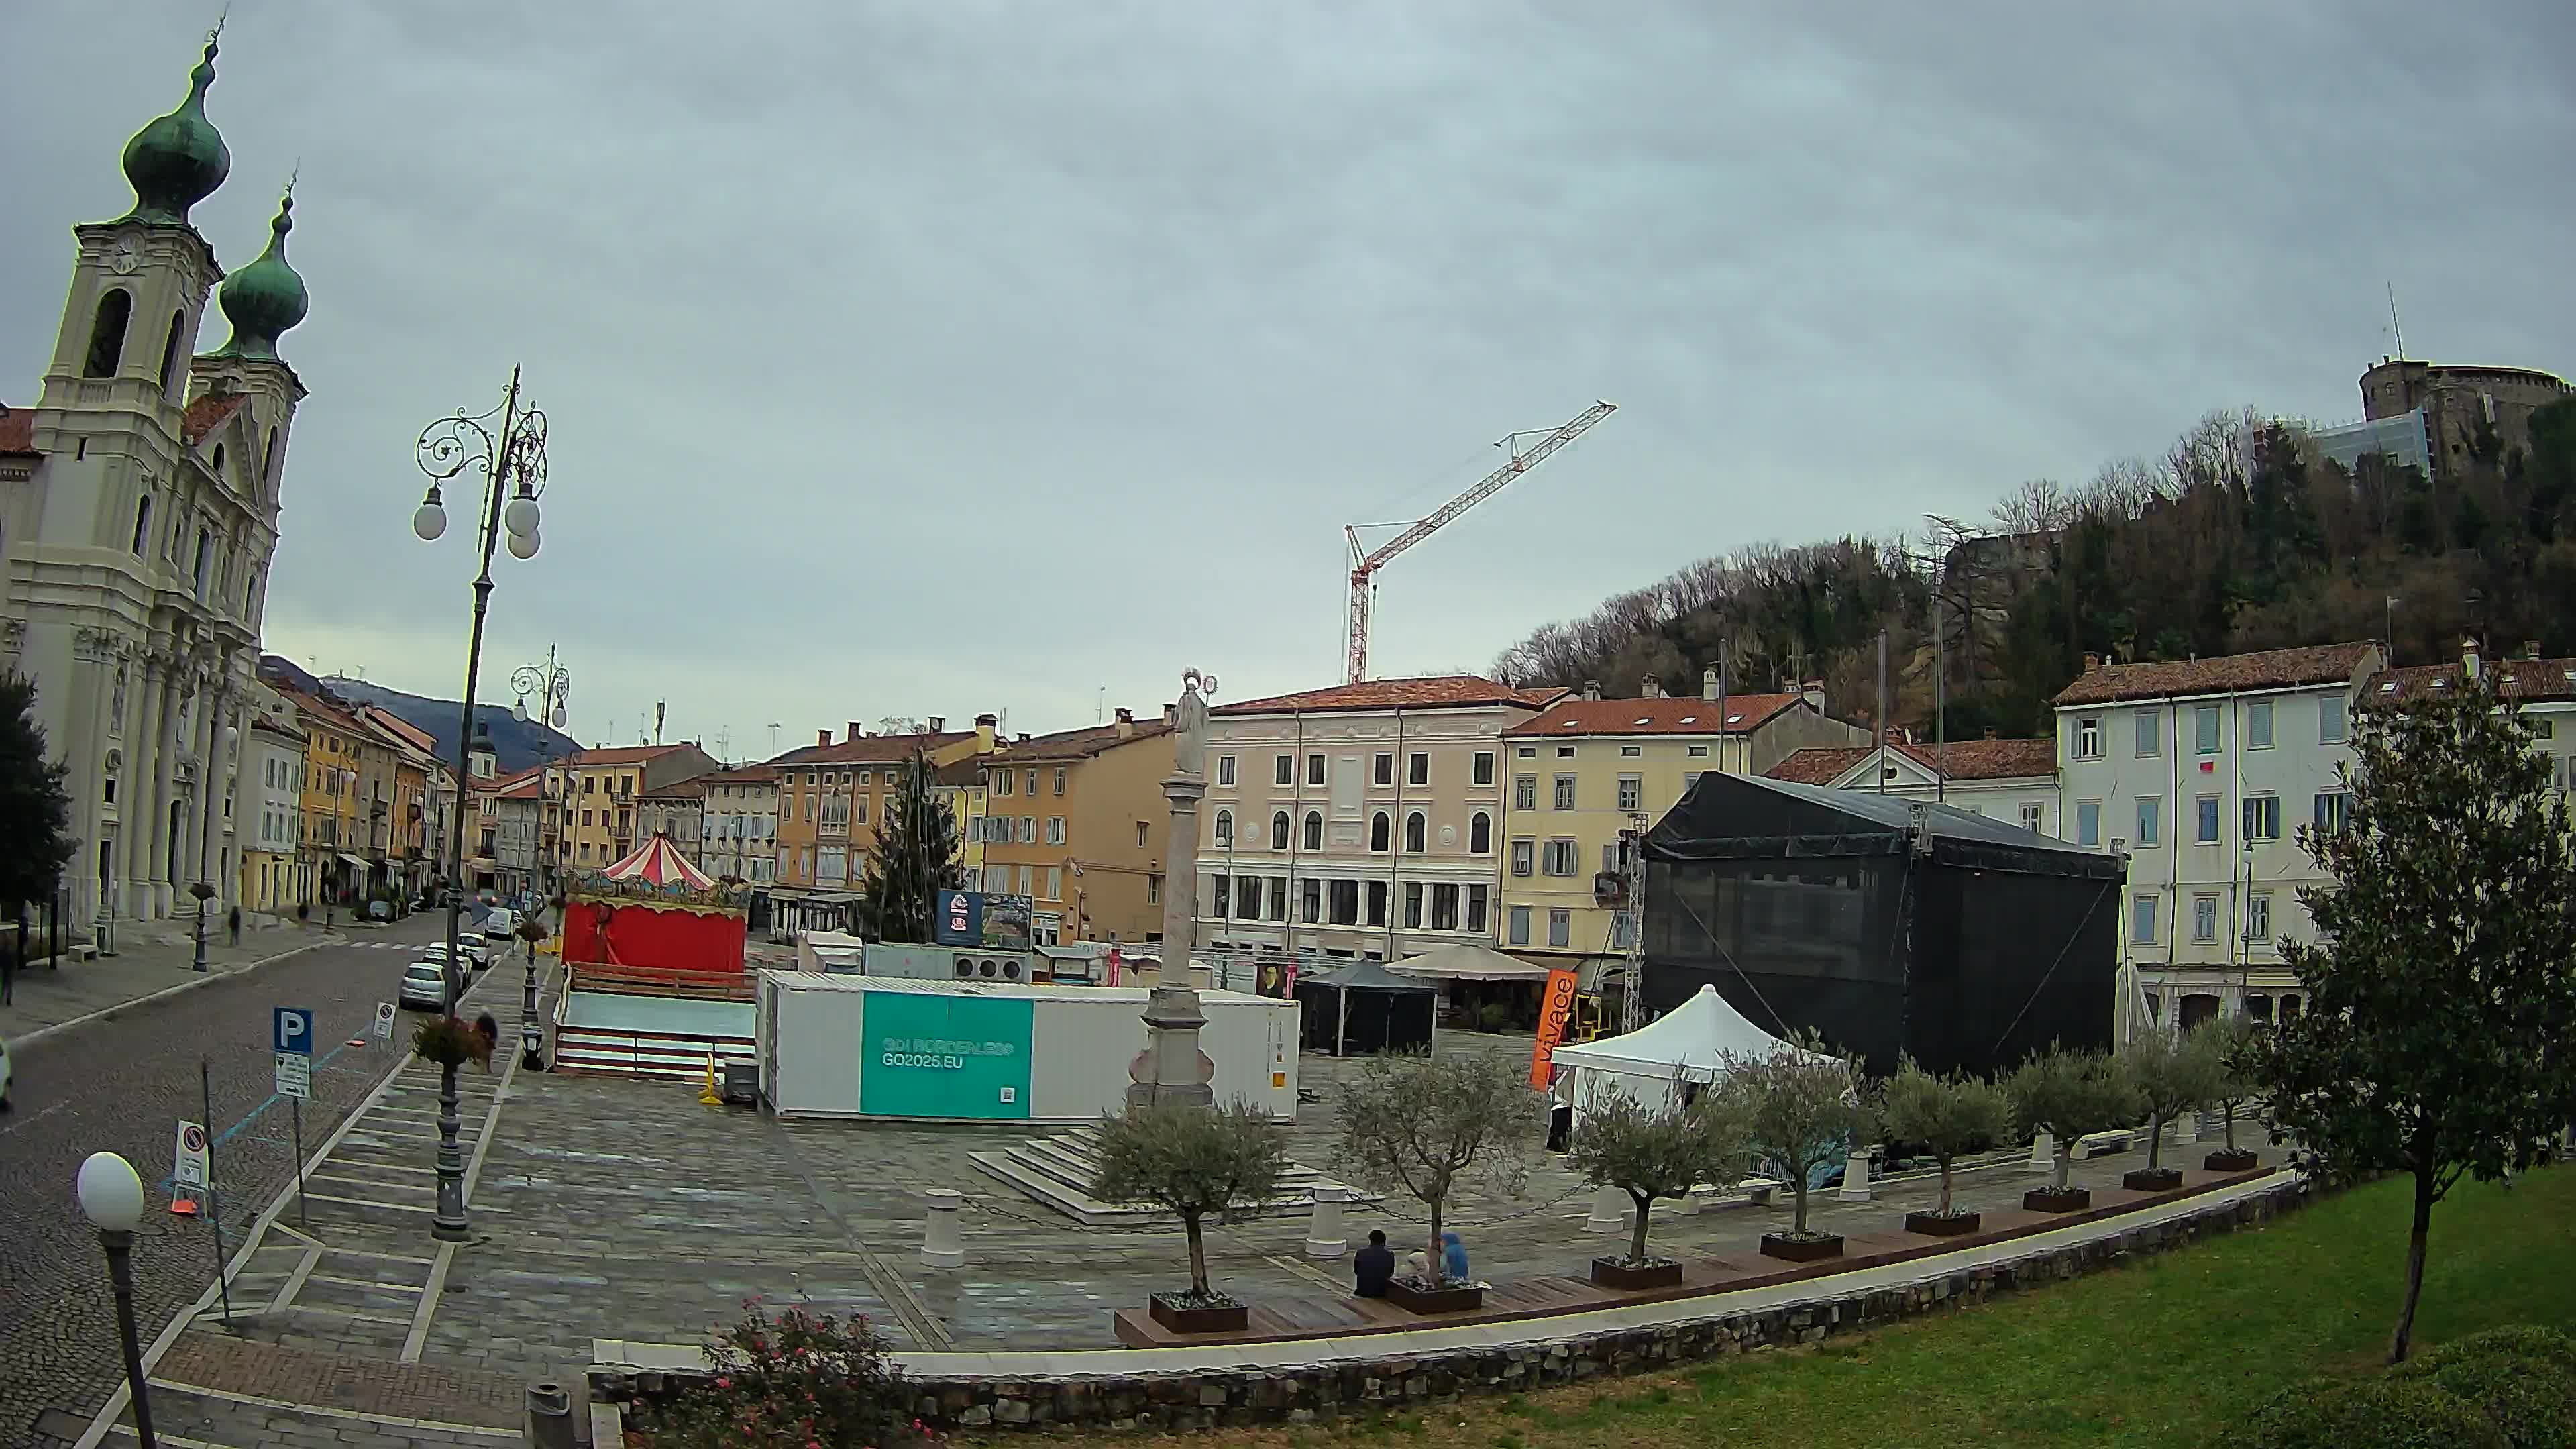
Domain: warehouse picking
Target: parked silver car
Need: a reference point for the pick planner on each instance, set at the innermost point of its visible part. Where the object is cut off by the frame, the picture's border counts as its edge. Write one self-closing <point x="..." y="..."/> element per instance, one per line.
<point x="424" y="986"/>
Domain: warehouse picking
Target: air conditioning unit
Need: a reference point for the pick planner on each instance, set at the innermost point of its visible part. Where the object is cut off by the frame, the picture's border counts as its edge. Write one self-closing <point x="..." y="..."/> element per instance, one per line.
<point x="1609" y="888"/>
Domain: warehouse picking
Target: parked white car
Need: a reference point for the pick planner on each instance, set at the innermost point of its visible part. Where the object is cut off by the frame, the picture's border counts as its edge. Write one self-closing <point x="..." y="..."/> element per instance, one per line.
<point x="424" y="986"/>
<point x="478" y="956"/>
<point x="499" y="923"/>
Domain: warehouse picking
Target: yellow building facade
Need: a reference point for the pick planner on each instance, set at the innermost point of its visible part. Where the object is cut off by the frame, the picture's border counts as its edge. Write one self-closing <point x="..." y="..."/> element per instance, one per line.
<point x="1077" y="822"/>
<point x="335" y="837"/>
<point x="1585" y="772"/>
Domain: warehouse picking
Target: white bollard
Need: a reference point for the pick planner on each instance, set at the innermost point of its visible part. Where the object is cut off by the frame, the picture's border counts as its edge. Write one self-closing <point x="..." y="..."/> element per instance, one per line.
<point x="1855" y="1186"/>
<point x="1324" y="1237"/>
<point x="1610" y="1209"/>
<point x="2043" y="1153"/>
<point x="940" y="1245"/>
<point x="2187" y="1128"/>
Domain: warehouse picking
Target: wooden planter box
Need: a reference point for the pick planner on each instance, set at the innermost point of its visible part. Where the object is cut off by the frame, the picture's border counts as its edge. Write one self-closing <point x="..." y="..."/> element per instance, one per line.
<point x="2050" y="1200"/>
<point x="1414" y="1297"/>
<point x="1653" y="1273"/>
<point x="2240" y="1160"/>
<point x="1934" y="1225"/>
<point x="1200" y="1318"/>
<point x="1801" y="1250"/>
<point x="2152" y="1179"/>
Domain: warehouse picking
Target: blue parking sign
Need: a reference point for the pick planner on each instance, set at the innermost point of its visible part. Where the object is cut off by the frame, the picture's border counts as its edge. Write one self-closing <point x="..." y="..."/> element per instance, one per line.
<point x="294" y="1031"/>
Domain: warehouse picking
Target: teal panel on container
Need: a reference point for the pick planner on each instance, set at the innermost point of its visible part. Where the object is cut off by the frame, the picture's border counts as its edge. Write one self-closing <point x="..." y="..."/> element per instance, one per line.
<point x="946" y="1056"/>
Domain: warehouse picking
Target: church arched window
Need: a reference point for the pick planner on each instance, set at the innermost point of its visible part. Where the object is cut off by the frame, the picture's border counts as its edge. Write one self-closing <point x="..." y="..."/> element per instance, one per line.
<point x="142" y="523"/>
<point x="170" y="352"/>
<point x="107" y="333"/>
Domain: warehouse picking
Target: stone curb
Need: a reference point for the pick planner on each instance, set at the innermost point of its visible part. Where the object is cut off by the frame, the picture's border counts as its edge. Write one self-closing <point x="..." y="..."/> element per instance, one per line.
<point x="1396" y="1380"/>
<point x="194" y="981"/>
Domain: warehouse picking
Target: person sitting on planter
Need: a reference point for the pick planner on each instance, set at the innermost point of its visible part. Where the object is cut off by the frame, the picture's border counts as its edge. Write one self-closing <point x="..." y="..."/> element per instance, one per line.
<point x="1417" y="1266"/>
<point x="1373" y="1265"/>
<point x="1454" y="1260"/>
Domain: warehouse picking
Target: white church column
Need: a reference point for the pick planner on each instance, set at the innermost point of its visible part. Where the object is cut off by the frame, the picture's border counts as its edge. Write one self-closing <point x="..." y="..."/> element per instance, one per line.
<point x="146" y="810"/>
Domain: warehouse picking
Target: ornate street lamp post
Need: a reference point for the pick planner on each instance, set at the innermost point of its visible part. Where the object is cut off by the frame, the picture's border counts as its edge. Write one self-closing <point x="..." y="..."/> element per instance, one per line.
<point x="552" y="685"/>
<point x="513" y="464"/>
<point x="111" y="1197"/>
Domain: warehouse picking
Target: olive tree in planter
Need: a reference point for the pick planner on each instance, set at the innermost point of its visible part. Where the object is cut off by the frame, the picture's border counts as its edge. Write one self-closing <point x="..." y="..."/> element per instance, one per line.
<point x="1802" y="1107"/>
<point x="1651" y="1154"/>
<point x="1194" y="1161"/>
<point x="1424" y="1126"/>
<point x="1949" y="1117"/>
<point x="2173" y="1074"/>
<point x="2233" y="1044"/>
<point x="2071" y="1095"/>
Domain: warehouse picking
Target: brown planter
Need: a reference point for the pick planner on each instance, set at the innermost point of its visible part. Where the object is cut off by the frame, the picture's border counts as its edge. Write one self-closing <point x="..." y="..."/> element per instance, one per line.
<point x="1934" y="1225"/>
<point x="2241" y="1159"/>
<point x="2152" y="1179"/>
<point x="1414" y="1297"/>
<point x="2050" y="1200"/>
<point x="1199" y="1318"/>
<point x="1653" y="1273"/>
<point x="1802" y="1250"/>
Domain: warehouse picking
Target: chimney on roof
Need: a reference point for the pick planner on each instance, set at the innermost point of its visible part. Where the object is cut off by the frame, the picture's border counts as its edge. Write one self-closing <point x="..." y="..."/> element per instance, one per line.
<point x="856" y="732"/>
<point x="1127" y="722"/>
<point x="1813" y="692"/>
<point x="822" y="737"/>
<point x="2469" y="656"/>
<point x="1592" y="689"/>
<point x="1990" y="732"/>
<point x="1024" y="738"/>
<point x="2092" y="663"/>
<point x="1708" y="683"/>
<point x="2531" y="649"/>
<point x="985" y="726"/>
<point x="939" y="724"/>
<point x="1651" y="688"/>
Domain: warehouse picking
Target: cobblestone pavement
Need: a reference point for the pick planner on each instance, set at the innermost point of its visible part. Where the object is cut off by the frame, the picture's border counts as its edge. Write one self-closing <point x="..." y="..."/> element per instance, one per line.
<point x="122" y="1084"/>
<point x="45" y="997"/>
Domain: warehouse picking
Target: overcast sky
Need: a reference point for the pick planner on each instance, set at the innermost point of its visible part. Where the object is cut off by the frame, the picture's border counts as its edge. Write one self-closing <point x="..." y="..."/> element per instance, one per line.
<point x="915" y="359"/>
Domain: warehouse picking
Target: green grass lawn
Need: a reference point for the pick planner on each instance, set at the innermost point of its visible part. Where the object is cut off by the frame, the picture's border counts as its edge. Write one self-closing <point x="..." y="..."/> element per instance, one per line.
<point x="2166" y="1352"/>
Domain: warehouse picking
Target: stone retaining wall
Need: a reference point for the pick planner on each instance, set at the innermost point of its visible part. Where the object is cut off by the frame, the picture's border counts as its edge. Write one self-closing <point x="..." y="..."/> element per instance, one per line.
<point x="1398" y="1381"/>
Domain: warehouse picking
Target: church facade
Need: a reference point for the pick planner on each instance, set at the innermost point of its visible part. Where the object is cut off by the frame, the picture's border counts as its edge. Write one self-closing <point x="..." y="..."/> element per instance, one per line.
<point x="138" y="518"/>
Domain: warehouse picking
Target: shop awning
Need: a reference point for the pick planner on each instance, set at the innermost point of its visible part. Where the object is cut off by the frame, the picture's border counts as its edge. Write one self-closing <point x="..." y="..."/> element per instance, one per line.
<point x="359" y="861"/>
<point x="1468" y="962"/>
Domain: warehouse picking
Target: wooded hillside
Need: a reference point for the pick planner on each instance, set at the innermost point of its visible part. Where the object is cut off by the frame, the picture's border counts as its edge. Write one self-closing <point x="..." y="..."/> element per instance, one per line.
<point x="2239" y="537"/>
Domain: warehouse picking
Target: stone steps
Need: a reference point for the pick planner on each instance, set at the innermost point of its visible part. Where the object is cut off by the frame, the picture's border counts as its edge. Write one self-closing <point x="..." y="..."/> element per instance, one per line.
<point x="1058" y="1171"/>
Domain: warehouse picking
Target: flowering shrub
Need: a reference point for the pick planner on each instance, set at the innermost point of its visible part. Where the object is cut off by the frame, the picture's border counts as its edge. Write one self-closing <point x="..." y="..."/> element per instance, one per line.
<point x="799" y="1380"/>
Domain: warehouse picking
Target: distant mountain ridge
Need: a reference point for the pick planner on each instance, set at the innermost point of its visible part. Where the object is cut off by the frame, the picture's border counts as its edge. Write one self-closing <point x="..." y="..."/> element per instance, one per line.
<point x="516" y="744"/>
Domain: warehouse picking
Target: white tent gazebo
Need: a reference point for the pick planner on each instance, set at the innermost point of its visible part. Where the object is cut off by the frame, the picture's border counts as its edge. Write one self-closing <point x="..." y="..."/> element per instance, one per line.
<point x="1655" y="1064"/>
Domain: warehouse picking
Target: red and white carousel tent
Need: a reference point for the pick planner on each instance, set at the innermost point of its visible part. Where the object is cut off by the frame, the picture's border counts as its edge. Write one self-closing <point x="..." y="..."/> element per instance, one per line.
<point x="659" y="864"/>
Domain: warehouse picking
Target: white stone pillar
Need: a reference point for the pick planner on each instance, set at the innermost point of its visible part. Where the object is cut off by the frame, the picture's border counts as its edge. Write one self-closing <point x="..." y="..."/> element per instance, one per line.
<point x="1324" y="1234"/>
<point x="1610" y="1209"/>
<point x="141" y="814"/>
<point x="2043" y="1153"/>
<point x="940" y="1245"/>
<point x="2187" y="1128"/>
<point x="1855" y="1186"/>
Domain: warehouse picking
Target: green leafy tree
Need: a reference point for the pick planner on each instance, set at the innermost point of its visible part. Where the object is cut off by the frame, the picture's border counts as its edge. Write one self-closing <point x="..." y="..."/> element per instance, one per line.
<point x="2072" y="1095"/>
<point x="2235" y="1046"/>
<point x="1801" y="1106"/>
<point x="2440" y="1036"/>
<point x="916" y="856"/>
<point x="1193" y="1160"/>
<point x="35" y="810"/>
<point x="1425" y="1125"/>
<point x="2172" y="1074"/>
<point x="1949" y="1116"/>
<point x="1652" y="1154"/>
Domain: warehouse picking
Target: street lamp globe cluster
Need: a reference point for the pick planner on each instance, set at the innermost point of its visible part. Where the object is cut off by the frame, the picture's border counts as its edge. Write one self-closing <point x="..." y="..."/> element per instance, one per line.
<point x="111" y="1197"/>
<point x="508" y="446"/>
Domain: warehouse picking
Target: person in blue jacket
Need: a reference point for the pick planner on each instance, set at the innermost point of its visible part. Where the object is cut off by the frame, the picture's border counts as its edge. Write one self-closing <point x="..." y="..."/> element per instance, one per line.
<point x="1453" y="1260"/>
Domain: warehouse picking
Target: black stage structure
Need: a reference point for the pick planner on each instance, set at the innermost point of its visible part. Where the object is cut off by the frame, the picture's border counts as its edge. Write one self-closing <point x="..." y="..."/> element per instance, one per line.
<point x="1886" y="925"/>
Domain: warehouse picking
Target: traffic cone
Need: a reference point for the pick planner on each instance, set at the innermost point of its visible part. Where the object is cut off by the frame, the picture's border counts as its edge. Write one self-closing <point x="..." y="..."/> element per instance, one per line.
<point x="711" y="1097"/>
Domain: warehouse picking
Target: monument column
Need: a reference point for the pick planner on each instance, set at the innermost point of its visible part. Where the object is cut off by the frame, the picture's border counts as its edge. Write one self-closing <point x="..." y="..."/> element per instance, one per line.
<point x="148" y="785"/>
<point x="1172" y="1069"/>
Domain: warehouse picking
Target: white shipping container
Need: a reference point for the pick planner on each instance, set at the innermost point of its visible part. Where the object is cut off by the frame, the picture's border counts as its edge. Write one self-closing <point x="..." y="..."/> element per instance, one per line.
<point x="820" y="1056"/>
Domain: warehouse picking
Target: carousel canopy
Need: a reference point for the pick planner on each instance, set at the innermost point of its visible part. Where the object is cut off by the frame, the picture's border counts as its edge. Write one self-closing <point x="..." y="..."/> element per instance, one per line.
<point x="659" y="864"/>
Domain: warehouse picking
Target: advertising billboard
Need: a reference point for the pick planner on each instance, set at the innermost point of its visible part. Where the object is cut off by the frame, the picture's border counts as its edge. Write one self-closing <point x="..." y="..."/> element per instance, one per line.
<point x="973" y="918"/>
<point x="929" y="1055"/>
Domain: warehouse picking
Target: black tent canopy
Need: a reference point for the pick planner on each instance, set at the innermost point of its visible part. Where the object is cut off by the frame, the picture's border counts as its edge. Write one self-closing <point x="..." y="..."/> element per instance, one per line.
<point x="1363" y="1008"/>
<point x="1887" y="925"/>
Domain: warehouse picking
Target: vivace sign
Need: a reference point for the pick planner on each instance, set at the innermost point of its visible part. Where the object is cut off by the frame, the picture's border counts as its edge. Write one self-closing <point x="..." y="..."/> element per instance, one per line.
<point x="945" y="1056"/>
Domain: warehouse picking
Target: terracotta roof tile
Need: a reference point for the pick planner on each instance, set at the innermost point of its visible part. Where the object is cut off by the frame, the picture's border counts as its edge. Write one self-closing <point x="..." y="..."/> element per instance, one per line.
<point x="694" y="788"/>
<point x="871" y="749"/>
<point x="1445" y="691"/>
<point x="747" y="775"/>
<point x="1967" y="760"/>
<point x="1080" y="744"/>
<point x="209" y="413"/>
<point x="622" y="754"/>
<point x="2533" y="679"/>
<point x="17" y="429"/>
<point x="1665" y="716"/>
<point x="2228" y="673"/>
<point x="965" y="772"/>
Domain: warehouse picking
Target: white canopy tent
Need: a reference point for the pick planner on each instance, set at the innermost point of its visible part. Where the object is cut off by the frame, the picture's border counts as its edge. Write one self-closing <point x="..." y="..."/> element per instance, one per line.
<point x="1655" y="1063"/>
<point x="1468" y="961"/>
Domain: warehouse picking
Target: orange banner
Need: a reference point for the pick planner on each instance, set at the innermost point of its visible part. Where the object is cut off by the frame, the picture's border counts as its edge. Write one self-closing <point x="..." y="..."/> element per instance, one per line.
<point x="1556" y="1008"/>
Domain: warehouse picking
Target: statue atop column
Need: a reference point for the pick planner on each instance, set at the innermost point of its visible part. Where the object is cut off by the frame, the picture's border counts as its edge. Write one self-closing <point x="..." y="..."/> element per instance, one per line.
<point x="1189" y="724"/>
<point x="1172" y="1068"/>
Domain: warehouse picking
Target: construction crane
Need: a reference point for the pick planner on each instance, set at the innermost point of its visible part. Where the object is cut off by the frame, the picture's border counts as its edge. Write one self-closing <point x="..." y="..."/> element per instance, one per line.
<point x="1366" y="562"/>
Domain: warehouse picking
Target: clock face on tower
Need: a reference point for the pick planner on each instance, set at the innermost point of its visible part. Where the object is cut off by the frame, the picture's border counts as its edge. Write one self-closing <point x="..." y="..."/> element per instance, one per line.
<point x="126" y="258"/>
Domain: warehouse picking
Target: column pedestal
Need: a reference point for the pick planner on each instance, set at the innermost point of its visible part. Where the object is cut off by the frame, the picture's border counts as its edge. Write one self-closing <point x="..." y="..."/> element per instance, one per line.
<point x="1610" y="1209"/>
<point x="1855" y="1186"/>
<point x="2043" y="1153"/>
<point x="940" y="1245"/>
<point x="1324" y="1234"/>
